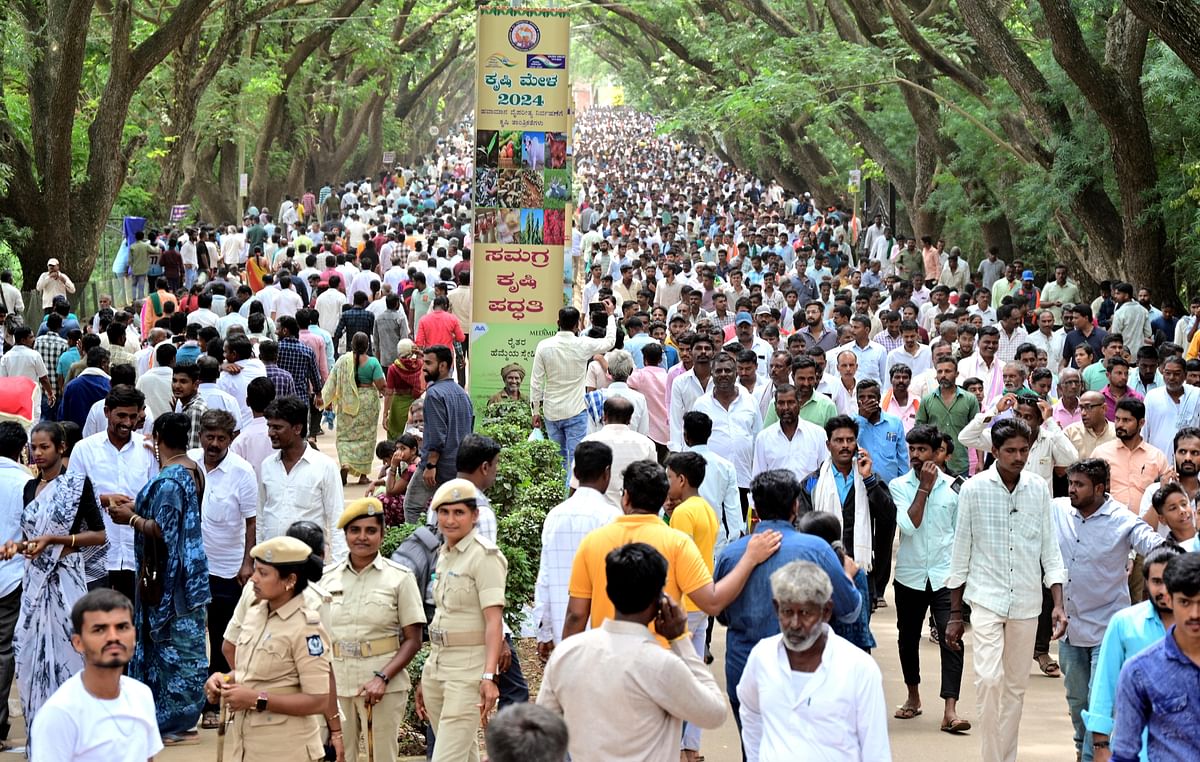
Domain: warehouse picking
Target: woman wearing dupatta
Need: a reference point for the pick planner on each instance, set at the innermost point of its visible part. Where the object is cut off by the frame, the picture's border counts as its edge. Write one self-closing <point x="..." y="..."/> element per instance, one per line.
<point x="405" y="383"/>
<point x="352" y="391"/>
<point x="61" y="516"/>
<point x="173" y="589"/>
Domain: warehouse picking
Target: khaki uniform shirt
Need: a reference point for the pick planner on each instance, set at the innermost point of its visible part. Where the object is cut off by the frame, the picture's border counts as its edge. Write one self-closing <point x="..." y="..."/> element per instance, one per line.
<point x="315" y="598"/>
<point x="376" y="603"/>
<point x="285" y="651"/>
<point x="469" y="578"/>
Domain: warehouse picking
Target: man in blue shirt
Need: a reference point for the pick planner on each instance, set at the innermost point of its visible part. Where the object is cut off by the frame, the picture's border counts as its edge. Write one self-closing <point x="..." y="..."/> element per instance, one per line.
<point x="1129" y="632"/>
<point x="1159" y="689"/>
<point x="926" y="512"/>
<point x="880" y="433"/>
<point x="751" y="616"/>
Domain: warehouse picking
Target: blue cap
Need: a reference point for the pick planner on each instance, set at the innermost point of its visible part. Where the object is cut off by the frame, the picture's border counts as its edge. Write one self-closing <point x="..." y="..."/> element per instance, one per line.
<point x="743" y="317"/>
<point x="1027" y="275"/>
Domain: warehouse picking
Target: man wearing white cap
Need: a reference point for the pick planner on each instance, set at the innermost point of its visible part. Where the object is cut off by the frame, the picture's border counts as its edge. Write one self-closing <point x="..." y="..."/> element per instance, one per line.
<point x="53" y="283"/>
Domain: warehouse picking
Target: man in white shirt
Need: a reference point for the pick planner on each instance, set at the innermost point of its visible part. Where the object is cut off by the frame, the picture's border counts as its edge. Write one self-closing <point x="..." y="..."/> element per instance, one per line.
<point x="720" y="486"/>
<point x="556" y="384"/>
<point x="253" y="443"/>
<point x="287" y="301"/>
<point x="735" y="416"/>
<point x="792" y="443"/>
<point x="214" y="397"/>
<point x="241" y="368"/>
<point x="1003" y="580"/>
<point x="155" y="383"/>
<point x="1170" y="407"/>
<point x="299" y="483"/>
<point x="99" y="714"/>
<point x="204" y="316"/>
<point x="24" y="360"/>
<point x="233" y="247"/>
<point x="646" y="691"/>
<point x="1049" y="339"/>
<point x="563" y="530"/>
<point x="917" y="356"/>
<point x="627" y="445"/>
<point x="329" y="305"/>
<point x="688" y="387"/>
<point x="807" y="693"/>
<point x="119" y="464"/>
<point x="227" y="512"/>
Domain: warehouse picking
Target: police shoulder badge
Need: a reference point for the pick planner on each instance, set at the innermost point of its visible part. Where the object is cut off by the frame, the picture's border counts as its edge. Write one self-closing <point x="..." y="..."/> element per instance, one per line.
<point x="315" y="646"/>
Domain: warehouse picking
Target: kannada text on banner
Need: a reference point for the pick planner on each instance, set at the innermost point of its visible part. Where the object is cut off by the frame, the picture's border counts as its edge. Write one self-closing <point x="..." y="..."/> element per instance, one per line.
<point x="522" y="192"/>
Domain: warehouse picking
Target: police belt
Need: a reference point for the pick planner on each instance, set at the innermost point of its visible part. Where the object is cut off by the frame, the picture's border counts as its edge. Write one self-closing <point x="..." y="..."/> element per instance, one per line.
<point x="443" y="638"/>
<point x="364" y="648"/>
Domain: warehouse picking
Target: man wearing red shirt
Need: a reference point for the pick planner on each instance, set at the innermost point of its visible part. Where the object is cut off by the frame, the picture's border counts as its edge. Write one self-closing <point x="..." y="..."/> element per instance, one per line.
<point x="439" y="326"/>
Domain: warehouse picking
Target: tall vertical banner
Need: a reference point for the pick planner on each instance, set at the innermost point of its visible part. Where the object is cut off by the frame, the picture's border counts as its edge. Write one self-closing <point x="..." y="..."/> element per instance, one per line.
<point x="522" y="191"/>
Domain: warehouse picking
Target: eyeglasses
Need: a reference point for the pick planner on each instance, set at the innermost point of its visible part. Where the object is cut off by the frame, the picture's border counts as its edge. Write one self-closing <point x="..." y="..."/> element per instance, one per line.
<point x="1089" y="407"/>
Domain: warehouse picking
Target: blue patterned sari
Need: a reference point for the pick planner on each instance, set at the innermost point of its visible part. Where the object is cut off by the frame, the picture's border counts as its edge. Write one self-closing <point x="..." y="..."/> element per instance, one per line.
<point x="54" y="581"/>
<point x="170" y="656"/>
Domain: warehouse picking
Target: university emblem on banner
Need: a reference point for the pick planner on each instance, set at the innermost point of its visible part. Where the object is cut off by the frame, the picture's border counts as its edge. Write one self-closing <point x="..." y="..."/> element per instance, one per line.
<point x="524" y="35"/>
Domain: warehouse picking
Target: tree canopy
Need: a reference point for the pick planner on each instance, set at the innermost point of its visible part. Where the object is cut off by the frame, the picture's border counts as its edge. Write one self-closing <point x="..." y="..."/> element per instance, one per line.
<point x="1049" y="129"/>
<point x="113" y="107"/>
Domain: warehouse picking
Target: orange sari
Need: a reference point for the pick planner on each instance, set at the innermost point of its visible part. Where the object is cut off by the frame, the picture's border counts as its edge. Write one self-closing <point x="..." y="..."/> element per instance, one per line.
<point x="254" y="273"/>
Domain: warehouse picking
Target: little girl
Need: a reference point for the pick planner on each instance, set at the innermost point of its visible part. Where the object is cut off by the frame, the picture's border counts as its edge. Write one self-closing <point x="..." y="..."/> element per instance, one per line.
<point x="829" y="528"/>
<point x="394" y="478"/>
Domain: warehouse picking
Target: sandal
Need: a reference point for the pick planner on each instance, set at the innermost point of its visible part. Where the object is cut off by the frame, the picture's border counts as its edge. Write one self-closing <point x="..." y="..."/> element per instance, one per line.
<point x="181" y="739"/>
<point x="957" y="726"/>
<point x="1048" y="666"/>
<point x="907" y="712"/>
<point x="210" y="721"/>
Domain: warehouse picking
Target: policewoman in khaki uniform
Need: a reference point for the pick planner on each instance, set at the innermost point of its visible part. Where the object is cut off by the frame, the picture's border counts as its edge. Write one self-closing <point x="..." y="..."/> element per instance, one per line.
<point x="375" y="620"/>
<point x="279" y="688"/>
<point x="458" y="684"/>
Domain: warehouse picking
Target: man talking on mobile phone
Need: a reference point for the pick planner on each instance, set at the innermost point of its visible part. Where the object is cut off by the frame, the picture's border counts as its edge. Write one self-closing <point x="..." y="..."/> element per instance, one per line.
<point x="646" y="691"/>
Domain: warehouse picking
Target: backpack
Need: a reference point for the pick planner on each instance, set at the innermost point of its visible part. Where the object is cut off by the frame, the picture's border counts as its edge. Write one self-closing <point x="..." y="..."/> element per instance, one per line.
<point x="418" y="554"/>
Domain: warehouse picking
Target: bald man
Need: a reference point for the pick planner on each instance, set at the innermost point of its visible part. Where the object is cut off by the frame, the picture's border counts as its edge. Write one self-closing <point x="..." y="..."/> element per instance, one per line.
<point x="1094" y="428"/>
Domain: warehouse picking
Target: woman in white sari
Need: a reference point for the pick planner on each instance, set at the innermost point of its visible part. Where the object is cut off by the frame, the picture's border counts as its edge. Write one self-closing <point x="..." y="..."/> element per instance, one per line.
<point x="61" y="517"/>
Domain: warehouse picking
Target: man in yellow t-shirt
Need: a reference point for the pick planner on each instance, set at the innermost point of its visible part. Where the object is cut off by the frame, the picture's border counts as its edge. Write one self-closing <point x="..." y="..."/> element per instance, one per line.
<point x="692" y="515"/>
<point x="645" y="492"/>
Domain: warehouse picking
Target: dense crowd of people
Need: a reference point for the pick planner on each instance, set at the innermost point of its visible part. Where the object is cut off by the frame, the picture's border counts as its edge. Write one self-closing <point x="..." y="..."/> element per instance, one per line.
<point x="769" y="419"/>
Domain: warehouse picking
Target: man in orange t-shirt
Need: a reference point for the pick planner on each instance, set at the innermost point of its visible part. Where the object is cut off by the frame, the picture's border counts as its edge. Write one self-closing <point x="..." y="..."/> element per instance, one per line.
<point x="688" y="574"/>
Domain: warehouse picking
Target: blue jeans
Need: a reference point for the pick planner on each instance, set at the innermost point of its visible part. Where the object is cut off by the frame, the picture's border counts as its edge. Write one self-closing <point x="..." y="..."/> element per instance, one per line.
<point x="1078" y="665"/>
<point x="567" y="433"/>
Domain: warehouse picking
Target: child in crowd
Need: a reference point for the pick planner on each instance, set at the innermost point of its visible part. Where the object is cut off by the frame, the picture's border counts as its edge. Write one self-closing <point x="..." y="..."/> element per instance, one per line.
<point x="828" y="527"/>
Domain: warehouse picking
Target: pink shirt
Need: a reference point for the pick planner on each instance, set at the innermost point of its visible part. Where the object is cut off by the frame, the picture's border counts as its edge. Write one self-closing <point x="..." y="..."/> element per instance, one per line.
<point x="1064" y="418"/>
<point x="317" y="345"/>
<point x="651" y="381"/>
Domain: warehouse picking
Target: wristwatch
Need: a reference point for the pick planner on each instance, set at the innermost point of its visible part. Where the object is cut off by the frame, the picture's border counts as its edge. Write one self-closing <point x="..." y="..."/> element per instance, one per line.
<point x="261" y="704"/>
<point x="488" y="676"/>
<point x="383" y="677"/>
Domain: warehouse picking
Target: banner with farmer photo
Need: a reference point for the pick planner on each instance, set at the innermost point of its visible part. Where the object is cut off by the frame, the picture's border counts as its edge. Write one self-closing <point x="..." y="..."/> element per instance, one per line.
<point x="522" y="190"/>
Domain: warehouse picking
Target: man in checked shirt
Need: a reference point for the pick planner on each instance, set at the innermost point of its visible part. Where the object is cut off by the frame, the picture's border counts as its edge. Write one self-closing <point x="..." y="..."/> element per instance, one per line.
<point x="1005" y="549"/>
